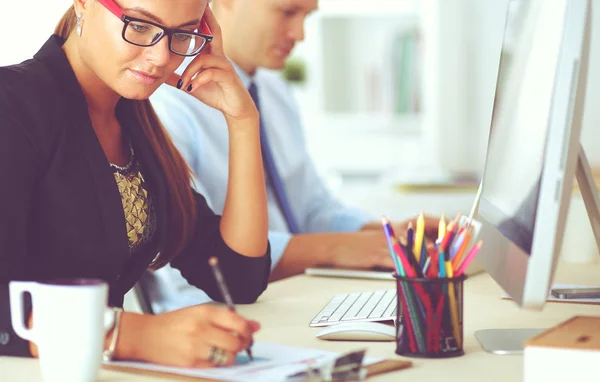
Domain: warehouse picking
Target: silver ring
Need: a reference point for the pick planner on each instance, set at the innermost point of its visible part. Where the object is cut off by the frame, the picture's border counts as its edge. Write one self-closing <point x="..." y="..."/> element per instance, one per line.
<point x="222" y="357"/>
<point x="217" y="356"/>
<point x="211" y="354"/>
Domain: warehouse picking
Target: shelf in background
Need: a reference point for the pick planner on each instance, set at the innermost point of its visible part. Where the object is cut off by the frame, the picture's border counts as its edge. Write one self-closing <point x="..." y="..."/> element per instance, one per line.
<point x="335" y="8"/>
<point x="371" y="123"/>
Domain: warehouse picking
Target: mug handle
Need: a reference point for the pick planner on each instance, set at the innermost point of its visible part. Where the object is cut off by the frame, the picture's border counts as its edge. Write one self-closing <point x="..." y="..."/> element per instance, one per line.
<point x="109" y="319"/>
<point x="17" y="289"/>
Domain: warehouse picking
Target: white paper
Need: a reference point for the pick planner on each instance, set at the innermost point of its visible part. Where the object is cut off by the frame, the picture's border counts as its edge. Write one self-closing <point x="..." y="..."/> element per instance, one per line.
<point x="562" y="286"/>
<point x="271" y="363"/>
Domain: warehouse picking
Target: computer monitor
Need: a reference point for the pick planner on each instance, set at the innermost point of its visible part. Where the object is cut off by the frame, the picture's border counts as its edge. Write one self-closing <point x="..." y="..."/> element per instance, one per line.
<point x="534" y="149"/>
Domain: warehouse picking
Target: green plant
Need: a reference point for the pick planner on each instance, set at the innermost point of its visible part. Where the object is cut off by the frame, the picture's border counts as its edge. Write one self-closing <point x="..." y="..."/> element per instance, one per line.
<point x="295" y="71"/>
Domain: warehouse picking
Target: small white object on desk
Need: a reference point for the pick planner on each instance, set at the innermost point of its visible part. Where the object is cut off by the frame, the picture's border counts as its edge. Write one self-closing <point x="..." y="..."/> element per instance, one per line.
<point x="552" y="298"/>
<point x="358" y="331"/>
<point x="569" y="351"/>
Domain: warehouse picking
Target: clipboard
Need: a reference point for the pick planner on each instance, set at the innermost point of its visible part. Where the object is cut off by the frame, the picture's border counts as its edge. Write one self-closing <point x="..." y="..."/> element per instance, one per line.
<point x="385" y="366"/>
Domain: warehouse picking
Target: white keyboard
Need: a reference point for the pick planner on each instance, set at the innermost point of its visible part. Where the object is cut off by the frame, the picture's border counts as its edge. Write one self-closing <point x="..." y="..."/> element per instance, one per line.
<point x="379" y="305"/>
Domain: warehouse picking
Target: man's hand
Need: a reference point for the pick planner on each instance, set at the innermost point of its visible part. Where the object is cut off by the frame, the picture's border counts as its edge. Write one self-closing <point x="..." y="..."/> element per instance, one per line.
<point x="400" y="228"/>
<point x="357" y="250"/>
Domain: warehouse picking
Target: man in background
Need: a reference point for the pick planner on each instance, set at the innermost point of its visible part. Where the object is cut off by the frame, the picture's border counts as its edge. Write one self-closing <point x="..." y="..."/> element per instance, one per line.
<point x="308" y="225"/>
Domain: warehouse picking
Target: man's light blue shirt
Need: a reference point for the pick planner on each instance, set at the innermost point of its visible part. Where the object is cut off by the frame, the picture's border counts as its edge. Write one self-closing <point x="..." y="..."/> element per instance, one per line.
<point x="201" y="135"/>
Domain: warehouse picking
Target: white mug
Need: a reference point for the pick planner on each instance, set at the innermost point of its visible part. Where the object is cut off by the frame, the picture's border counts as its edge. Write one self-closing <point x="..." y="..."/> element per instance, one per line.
<point x="69" y="324"/>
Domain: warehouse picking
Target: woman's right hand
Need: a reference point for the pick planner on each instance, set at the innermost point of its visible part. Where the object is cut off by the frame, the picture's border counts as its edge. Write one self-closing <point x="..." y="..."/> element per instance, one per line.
<point x="184" y="337"/>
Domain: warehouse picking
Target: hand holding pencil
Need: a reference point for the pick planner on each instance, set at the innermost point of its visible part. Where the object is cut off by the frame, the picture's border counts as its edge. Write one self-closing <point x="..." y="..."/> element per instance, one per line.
<point x="199" y="336"/>
<point x="214" y="263"/>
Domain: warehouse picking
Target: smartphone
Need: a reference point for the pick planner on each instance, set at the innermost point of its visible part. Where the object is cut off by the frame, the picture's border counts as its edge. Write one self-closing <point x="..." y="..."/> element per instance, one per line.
<point x="575" y="293"/>
<point x="204" y="29"/>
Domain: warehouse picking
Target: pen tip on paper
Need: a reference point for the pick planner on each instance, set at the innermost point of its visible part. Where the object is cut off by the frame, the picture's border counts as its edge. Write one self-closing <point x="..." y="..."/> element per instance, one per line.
<point x="213" y="261"/>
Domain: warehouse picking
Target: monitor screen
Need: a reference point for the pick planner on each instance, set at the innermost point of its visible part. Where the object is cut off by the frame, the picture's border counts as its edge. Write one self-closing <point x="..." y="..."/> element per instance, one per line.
<point x="518" y="132"/>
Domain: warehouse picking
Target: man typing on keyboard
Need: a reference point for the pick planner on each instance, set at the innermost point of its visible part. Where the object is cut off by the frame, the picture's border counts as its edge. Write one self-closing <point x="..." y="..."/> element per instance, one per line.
<point x="308" y="226"/>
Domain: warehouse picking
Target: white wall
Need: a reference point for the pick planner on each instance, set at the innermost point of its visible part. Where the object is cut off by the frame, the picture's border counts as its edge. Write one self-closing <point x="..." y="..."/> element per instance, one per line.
<point x="484" y="37"/>
<point x="26" y="25"/>
<point x="590" y="136"/>
<point x="468" y="33"/>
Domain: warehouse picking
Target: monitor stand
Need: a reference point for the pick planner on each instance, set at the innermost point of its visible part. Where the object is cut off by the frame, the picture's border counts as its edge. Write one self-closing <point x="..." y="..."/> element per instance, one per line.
<point x="512" y="341"/>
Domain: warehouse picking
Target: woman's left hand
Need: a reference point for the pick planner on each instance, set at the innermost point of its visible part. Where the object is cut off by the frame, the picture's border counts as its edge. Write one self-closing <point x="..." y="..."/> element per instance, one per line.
<point x="213" y="79"/>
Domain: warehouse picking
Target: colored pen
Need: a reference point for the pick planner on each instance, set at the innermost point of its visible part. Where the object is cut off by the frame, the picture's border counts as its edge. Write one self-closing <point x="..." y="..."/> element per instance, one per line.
<point x="420" y="234"/>
<point x="467" y="260"/>
<point x="214" y="264"/>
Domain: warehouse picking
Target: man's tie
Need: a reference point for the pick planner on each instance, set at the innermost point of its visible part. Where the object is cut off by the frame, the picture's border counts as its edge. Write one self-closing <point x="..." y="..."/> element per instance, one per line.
<point x="273" y="178"/>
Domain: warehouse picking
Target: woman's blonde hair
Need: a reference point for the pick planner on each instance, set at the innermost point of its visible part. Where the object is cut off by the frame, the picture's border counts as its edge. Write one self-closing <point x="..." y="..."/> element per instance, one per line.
<point x="182" y="211"/>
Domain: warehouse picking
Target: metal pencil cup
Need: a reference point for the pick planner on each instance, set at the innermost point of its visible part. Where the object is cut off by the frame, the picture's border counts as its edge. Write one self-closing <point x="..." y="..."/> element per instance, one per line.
<point x="430" y="321"/>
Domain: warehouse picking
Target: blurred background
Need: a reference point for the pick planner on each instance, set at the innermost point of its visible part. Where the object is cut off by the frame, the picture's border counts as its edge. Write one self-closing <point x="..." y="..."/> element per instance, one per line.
<point x="396" y="95"/>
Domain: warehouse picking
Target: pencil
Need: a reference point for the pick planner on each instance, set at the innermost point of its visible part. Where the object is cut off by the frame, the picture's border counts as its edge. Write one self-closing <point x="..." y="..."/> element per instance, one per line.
<point x="410" y="239"/>
<point x="453" y="307"/>
<point x="389" y="237"/>
<point x="411" y="258"/>
<point x="420" y="234"/>
<point x="459" y="254"/>
<point x="442" y="228"/>
<point x="424" y="253"/>
<point x="214" y="264"/>
<point x="458" y="240"/>
<point x="467" y="260"/>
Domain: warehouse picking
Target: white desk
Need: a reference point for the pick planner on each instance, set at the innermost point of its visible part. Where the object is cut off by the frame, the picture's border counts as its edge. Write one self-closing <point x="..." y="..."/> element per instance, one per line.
<point x="287" y="306"/>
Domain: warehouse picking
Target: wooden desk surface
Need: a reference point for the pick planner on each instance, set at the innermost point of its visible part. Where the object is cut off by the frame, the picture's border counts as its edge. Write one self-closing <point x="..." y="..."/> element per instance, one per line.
<point x="287" y="307"/>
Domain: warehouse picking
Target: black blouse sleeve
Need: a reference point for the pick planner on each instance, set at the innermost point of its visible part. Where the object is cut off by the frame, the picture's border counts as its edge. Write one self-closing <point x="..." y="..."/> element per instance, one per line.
<point x="18" y="163"/>
<point x="246" y="277"/>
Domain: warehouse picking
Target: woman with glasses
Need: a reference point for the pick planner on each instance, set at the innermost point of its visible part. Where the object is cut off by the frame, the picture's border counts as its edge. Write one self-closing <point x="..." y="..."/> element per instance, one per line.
<point x="91" y="185"/>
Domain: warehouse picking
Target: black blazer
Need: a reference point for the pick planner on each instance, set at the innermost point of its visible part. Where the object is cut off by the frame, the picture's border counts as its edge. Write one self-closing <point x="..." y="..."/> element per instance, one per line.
<point x="60" y="210"/>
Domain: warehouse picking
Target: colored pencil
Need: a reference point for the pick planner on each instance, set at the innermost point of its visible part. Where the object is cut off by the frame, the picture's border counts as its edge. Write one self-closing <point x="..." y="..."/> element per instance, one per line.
<point x="467" y="260"/>
<point x="442" y="227"/>
<point x="419" y="236"/>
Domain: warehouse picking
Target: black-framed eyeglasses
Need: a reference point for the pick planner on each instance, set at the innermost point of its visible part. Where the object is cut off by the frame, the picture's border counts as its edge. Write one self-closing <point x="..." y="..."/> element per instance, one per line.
<point x="147" y="33"/>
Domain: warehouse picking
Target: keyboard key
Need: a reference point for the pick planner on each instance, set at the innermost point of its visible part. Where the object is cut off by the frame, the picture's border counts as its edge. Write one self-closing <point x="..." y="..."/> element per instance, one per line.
<point x="344" y="306"/>
<point x="391" y="310"/>
<point x="367" y="309"/>
<point x="357" y="306"/>
<point x="384" y="303"/>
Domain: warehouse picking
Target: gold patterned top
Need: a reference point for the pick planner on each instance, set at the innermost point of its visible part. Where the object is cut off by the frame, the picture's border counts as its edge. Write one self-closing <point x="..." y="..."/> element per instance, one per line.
<point x="137" y="206"/>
